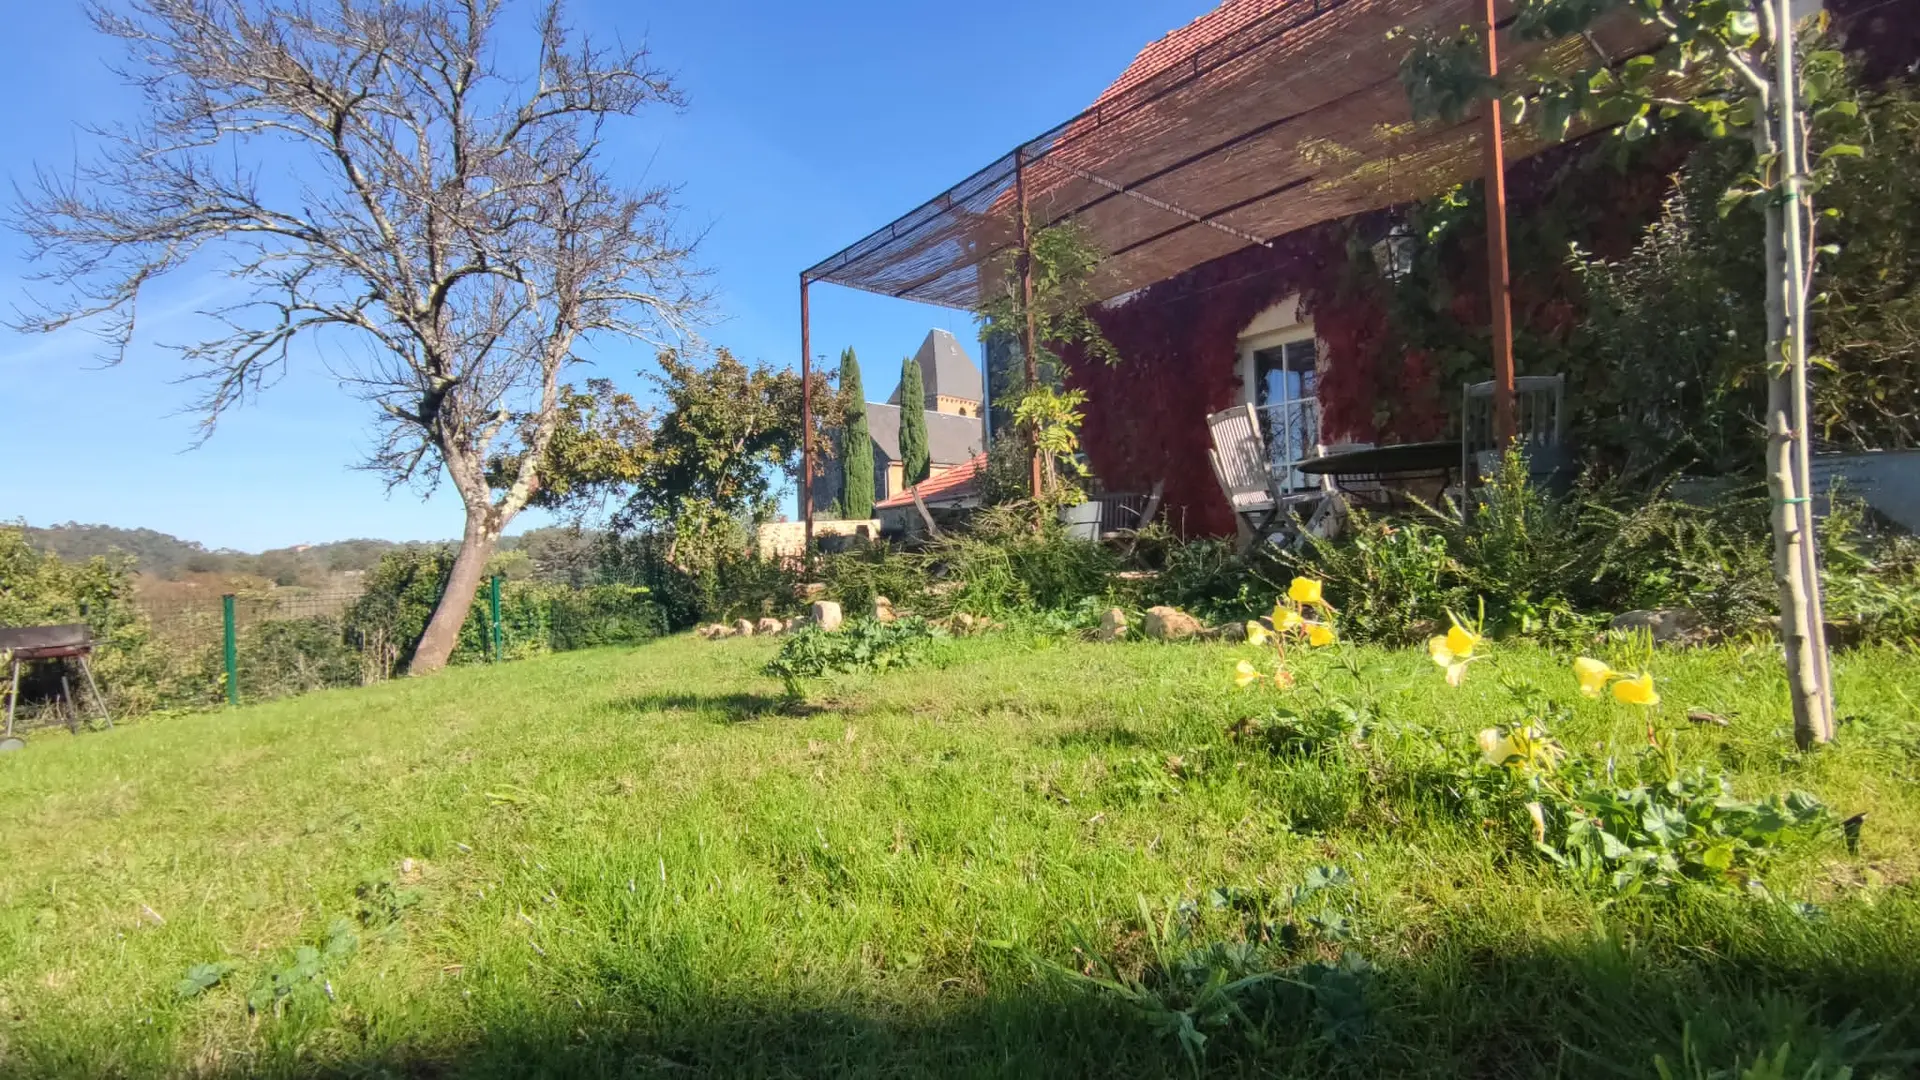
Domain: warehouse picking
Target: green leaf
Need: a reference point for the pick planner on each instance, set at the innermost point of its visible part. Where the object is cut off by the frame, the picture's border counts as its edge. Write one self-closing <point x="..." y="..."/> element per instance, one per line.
<point x="1611" y="846"/>
<point x="1842" y="150"/>
<point x="202" y="977"/>
<point x="1718" y="858"/>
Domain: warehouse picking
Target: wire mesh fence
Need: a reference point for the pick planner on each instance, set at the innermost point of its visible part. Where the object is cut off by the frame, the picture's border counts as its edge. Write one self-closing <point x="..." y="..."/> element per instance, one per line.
<point x="258" y="646"/>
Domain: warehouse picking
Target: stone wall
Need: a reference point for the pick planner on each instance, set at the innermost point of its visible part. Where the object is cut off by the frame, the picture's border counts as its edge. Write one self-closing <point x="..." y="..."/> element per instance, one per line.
<point x="787" y="539"/>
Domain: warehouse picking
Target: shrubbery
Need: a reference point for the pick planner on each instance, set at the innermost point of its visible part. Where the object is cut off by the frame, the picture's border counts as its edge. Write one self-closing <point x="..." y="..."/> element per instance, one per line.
<point x="1555" y="568"/>
<point x="387" y="620"/>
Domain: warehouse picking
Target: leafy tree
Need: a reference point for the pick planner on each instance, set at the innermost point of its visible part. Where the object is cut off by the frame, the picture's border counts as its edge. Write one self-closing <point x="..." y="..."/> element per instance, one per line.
<point x="729" y="431"/>
<point x="915" y="464"/>
<point x="856" y="453"/>
<point x="699" y="472"/>
<point x="1728" y="69"/>
<point x="446" y="207"/>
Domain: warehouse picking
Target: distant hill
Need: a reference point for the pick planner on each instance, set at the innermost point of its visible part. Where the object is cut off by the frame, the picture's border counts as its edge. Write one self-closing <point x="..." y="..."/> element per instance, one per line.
<point x="555" y="552"/>
<point x="166" y="556"/>
<point x="153" y="552"/>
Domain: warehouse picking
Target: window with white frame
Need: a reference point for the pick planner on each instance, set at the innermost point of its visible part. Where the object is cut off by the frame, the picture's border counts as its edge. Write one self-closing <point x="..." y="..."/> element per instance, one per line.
<point x="1280" y="370"/>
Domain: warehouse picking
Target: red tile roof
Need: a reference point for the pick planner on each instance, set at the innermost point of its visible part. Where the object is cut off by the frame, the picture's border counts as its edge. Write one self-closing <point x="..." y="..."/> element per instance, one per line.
<point x="955" y="483"/>
<point x="1178" y="46"/>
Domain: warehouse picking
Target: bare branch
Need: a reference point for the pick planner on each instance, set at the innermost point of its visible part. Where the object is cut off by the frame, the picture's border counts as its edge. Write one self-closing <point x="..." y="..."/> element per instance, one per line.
<point x="371" y="169"/>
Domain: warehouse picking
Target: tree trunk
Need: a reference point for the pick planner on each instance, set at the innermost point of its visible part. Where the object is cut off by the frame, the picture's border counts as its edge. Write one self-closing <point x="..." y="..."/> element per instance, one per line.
<point x="477" y="545"/>
<point x="1812" y="723"/>
<point x="1795" y="562"/>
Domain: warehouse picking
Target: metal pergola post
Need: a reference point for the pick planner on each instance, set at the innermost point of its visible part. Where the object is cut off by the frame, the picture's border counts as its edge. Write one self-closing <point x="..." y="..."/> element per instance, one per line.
<point x="1499" y="279"/>
<point x="806" y="422"/>
<point x="1027" y="335"/>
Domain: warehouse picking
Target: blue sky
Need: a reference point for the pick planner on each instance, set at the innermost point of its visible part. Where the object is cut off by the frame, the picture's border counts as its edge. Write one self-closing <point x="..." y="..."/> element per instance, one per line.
<point x="809" y="125"/>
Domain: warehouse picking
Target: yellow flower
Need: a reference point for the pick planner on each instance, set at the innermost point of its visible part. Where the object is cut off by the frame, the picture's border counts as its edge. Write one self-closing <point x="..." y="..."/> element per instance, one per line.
<point x="1305" y="591"/>
<point x="1286" y="619"/>
<point x="1496" y="746"/>
<point x="1460" y="641"/>
<point x="1636" y="691"/>
<point x="1525" y="747"/>
<point x="1319" y="634"/>
<point x="1593" y="675"/>
<point x="1244" y="673"/>
<point x="1257" y="634"/>
<point x="1444" y="656"/>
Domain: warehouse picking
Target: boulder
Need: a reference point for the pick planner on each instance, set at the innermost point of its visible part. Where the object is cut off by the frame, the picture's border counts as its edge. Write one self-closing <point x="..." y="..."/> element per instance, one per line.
<point x="795" y="623"/>
<point x="742" y="628"/>
<point x="825" y="614"/>
<point x="811" y="589"/>
<point x="1170" y="624"/>
<point x="1667" y="625"/>
<point x="883" y="609"/>
<point x="769" y="627"/>
<point x="1113" y="624"/>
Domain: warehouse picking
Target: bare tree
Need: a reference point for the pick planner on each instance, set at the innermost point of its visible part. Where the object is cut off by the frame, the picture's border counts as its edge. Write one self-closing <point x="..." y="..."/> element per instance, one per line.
<point x="370" y="167"/>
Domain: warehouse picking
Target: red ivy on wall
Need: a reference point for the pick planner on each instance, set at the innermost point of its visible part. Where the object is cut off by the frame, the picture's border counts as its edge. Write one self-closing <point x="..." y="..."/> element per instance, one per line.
<point x="1179" y="339"/>
<point x="1179" y="342"/>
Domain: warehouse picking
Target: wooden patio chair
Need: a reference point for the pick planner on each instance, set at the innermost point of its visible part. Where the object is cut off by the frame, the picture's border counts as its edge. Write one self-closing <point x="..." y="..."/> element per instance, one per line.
<point x="1540" y="430"/>
<point x="1239" y="458"/>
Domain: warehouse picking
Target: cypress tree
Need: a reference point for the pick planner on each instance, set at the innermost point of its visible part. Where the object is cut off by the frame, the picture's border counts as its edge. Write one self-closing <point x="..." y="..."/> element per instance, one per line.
<point x="914" y="462"/>
<point x="856" y="492"/>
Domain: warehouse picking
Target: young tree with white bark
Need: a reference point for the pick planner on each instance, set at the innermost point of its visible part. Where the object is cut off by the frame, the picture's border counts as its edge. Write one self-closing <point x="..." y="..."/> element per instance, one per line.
<point x="1728" y="69"/>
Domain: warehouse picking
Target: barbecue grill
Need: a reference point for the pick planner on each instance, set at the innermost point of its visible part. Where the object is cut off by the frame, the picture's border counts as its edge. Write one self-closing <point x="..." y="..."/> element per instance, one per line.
<point x="69" y="641"/>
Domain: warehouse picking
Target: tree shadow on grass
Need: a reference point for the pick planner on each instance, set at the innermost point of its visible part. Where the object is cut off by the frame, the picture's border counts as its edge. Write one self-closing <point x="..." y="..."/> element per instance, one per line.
<point x="735" y="708"/>
<point x="1586" y="1009"/>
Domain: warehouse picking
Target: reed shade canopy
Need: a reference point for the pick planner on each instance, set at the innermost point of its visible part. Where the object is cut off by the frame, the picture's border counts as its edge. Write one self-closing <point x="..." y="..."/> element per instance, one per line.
<point x="1258" y="119"/>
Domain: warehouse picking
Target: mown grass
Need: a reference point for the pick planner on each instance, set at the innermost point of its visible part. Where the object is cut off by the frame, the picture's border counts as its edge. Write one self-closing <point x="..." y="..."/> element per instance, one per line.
<point x="634" y="863"/>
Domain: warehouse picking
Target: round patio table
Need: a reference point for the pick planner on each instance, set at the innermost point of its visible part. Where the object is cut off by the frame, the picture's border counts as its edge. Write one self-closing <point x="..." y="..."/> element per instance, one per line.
<point x="1382" y="467"/>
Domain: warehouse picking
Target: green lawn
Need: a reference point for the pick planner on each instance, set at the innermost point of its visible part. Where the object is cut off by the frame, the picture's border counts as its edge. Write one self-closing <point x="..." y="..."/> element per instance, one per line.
<point x="631" y="863"/>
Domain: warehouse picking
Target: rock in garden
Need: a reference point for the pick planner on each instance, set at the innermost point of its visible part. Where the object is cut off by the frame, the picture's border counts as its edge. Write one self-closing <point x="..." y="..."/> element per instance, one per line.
<point x="769" y="627"/>
<point x="795" y="623"/>
<point x="825" y="614"/>
<point x="1113" y="624"/>
<point x="1170" y="624"/>
<point x="1667" y="625"/>
<point x="742" y="628"/>
<point x="883" y="609"/>
<point x="811" y="589"/>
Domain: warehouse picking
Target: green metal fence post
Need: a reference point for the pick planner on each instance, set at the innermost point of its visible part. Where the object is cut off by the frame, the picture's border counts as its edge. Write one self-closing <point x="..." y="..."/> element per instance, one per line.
<point x="229" y="650"/>
<point x="493" y="605"/>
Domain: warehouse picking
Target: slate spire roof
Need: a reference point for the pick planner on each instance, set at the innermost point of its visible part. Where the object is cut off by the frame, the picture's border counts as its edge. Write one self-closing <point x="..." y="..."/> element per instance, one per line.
<point x="946" y="370"/>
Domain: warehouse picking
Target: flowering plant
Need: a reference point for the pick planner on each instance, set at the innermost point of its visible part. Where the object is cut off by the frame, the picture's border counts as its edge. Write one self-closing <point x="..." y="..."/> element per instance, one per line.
<point x="1302" y="615"/>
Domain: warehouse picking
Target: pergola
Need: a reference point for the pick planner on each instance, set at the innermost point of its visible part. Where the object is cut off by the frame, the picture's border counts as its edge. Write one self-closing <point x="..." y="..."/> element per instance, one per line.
<point x="1258" y="119"/>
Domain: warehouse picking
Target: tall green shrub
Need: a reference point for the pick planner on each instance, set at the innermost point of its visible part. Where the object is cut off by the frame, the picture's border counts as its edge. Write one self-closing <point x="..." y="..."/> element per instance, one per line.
<point x="856" y="492"/>
<point x="914" y="460"/>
